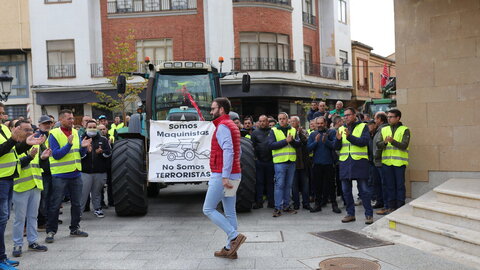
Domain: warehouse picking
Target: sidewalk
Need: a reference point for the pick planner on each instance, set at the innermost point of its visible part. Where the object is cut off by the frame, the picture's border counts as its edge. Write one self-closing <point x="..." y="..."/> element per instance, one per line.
<point x="176" y="235"/>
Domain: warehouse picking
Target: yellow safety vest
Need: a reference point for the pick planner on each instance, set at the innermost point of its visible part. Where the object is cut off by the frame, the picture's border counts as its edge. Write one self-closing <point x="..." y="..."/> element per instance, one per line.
<point x="248" y="136"/>
<point x="286" y="153"/>
<point x="310" y="131"/>
<point x="348" y="149"/>
<point x="9" y="161"/>
<point x="391" y="155"/>
<point x="30" y="176"/>
<point x="71" y="161"/>
<point x="114" y="127"/>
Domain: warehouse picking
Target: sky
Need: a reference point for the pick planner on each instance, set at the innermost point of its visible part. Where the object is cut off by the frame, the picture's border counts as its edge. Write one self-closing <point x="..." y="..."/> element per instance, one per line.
<point x="372" y="23"/>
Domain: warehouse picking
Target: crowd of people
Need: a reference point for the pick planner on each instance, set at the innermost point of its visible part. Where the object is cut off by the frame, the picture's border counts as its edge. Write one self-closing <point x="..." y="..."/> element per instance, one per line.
<point x="314" y="166"/>
<point x="47" y="164"/>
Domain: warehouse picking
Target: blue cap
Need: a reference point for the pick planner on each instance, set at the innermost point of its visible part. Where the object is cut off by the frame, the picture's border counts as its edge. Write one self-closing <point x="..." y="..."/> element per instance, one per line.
<point x="102" y="117"/>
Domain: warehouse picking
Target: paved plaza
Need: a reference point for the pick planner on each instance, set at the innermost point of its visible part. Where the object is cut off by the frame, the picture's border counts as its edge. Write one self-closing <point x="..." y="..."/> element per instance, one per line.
<point x="176" y="235"/>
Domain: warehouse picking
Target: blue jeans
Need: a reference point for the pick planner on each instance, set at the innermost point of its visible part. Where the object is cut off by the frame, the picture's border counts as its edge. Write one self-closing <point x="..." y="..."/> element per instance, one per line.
<point x="375" y="184"/>
<point x="25" y="206"/>
<point x="6" y="190"/>
<point x="74" y="187"/>
<point x="265" y="173"/>
<point x="300" y="185"/>
<point x="227" y="223"/>
<point x="45" y="199"/>
<point x="394" y="178"/>
<point x="284" y="174"/>
<point x="364" y="191"/>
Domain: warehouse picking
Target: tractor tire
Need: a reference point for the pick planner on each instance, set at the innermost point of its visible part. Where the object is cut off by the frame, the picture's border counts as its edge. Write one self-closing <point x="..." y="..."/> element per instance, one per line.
<point x="129" y="178"/>
<point x="246" y="189"/>
<point x="153" y="189"/>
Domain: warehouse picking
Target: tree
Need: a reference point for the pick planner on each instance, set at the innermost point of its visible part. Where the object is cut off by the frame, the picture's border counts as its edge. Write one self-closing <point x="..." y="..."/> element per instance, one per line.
<point x="123" y="58"/>
<point x="313" y="97"/>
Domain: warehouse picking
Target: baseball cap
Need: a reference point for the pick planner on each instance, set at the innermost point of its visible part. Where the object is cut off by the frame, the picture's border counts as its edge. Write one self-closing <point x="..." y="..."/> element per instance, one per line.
<point x="102" y="117"/>
<point x="233" y="116"/>
<point x="44" y="119"/>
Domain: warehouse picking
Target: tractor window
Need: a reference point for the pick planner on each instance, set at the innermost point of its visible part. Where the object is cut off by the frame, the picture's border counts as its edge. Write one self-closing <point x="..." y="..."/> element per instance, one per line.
<point x="183" y="93"/>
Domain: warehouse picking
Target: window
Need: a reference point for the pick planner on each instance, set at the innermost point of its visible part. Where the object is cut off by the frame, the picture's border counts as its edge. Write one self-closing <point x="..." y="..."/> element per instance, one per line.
<point x="265" y="51"/>
<point x="159" y="50"/>
<point x="342" y="11"/>
<point x="129" y="6"/>
<point x="61" y="58"/>
<point x="308" y="13"/>
<point x="362" y="75"/>
<point x="371" y="80"/>
<point x="15" y="111"/>
<point x="57" y="1"/>
<point x="307" y="55"/>
<point x="16" y="64"/>
<point x="343" y="72"/>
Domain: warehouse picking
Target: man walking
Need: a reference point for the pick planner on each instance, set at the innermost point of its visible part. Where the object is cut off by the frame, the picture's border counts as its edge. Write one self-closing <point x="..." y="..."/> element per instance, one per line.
<point x="283" y="140"/>
<point x="225" y="167"/>
<point x="352" y="141"/>
<point x="263" y="163"/>
<point x="66" y="167"/>
<point x="394" y="143"/>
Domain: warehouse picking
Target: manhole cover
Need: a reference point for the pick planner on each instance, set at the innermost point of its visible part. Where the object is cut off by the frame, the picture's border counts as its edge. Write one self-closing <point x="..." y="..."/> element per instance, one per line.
<point x="351" y="239"/>
<point x="350" y="263"/>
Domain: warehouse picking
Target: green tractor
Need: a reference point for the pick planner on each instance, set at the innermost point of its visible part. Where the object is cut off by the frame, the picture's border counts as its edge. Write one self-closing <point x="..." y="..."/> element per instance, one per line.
<point x="179" y="93"/>
<point x="382" y="104"/>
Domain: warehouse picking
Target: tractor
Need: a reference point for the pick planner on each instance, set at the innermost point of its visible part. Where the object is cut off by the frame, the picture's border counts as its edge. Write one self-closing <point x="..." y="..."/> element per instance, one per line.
<point x="177" y="92"/>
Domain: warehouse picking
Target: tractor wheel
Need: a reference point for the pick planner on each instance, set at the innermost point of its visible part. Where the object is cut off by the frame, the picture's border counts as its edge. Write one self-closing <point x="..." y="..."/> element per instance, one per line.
<point x="129" y="178"/>
<point x="246" y="190"/>
<point x="189" y="155"/>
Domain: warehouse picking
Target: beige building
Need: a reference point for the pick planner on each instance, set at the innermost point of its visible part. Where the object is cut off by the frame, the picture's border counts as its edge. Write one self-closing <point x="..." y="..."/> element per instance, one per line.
<point x="15" y="56"/>
<point x="438" y="88"/>
<point x="367" y="68"/>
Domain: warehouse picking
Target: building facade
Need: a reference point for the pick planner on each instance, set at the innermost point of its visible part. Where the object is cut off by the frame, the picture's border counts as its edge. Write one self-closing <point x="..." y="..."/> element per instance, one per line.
<point x="291" y="49"/>
<point x="15" y="57"/>
<point x="367" y="72"/>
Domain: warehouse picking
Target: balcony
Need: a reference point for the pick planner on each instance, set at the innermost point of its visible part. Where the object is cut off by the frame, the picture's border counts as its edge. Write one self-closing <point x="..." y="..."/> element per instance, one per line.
<point x="278" y="2"/>
<point x="343" y="74"/>
<point x="263" y="64"/>
<point x="309" y="18"/>
<point x="140" y="6"/>
<point x="61" y="71"/>
<point x="96" y="70"/>
<point x="320" y="70"/>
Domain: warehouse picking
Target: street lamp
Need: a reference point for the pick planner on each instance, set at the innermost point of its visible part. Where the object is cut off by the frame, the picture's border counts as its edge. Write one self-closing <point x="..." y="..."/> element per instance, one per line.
<point x="5" y="85"/>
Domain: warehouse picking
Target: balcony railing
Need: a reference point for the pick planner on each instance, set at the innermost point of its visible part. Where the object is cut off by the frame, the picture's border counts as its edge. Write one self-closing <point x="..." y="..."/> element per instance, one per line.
<point x="279" y="2"/>
<point x="61" y="71"/>
<point x="343" y="74"/>
<point x="320" y="70"/>
<point x="263" y="64"/>
<point x="309" y="18"/>
<point x="96" y="70"/>
<point x="132" y="6"/>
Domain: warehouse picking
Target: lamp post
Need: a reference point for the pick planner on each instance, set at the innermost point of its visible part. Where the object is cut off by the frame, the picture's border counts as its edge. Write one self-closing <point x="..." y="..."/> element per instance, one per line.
<point x="5" y="85"/>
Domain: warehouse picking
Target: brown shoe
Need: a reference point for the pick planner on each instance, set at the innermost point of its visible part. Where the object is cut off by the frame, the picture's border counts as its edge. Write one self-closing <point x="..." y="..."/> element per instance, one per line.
<point x="347" y="219"/>
<point x="277" y="213"/>
<point x="384" y="211"/>
<point x="223" y="253"/>
<point x="289" y="210"/>
<point x="236" y="243"/>
<point x="368" y="220"/>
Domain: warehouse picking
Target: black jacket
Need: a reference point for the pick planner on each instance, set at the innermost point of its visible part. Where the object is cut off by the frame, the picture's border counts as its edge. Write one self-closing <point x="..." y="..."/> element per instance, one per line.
<point x="261" y="144"/>
<point x="93" y="162"/>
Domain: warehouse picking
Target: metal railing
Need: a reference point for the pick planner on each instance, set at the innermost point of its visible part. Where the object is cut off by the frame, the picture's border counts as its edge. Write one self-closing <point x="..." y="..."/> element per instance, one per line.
<point x="320" y="70"/>
<point x="343" y="74"/>
<point x="61" y="71"/>
<point x="96" y="70"/>
<point x="279" y="2"/>
<point x="309" y="18"/>
<point x="133" y="6"/>
<point x="263" y="64"/>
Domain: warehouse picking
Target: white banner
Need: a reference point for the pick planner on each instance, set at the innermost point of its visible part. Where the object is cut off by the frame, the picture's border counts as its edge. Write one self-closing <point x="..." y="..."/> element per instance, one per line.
<point x="180" y="151"/>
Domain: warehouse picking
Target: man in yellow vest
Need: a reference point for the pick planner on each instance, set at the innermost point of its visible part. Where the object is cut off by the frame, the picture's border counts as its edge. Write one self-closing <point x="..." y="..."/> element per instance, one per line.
<point x="352" y="140"/>
<point x="27" y="188"/>
<point x="66" y="167"/>
<point x="115" y="126"/>
<point x="283" y="140"/>
<point x="11" y="145"/>
<point x="394" y="141"/>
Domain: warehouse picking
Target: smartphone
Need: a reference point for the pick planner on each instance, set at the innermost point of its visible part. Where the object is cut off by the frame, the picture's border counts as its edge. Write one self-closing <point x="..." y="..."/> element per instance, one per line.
<point x="37" y="134"/>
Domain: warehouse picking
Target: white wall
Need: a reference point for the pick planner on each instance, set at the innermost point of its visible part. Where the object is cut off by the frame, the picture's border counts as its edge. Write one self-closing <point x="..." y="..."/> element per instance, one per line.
<point x="219" y="40"/>
<point x="343" y="39"/>
<point x="297" y="38"/>
<point x="75" y="20"/>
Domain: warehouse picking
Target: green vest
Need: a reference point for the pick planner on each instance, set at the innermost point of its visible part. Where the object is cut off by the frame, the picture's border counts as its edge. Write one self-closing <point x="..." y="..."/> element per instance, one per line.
<point x="9" y="161"/>
<point x="348" y="149"/>
<point x="30" y="176"/>
<point x="248" y="136"/>
<point x="71" y="161"/>
<point x="286" y="153"/>
<point x="391" y="155"/>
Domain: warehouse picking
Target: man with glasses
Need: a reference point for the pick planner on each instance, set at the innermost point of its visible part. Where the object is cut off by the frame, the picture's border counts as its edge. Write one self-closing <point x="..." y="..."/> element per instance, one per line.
<point x="225" y="168"/>
<point x="352" y="141"/>
<point x="393" y="142"/>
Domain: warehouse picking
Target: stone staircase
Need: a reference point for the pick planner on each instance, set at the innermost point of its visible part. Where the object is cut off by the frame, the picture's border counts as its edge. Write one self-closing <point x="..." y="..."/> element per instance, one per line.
<point x="445" y="221"/>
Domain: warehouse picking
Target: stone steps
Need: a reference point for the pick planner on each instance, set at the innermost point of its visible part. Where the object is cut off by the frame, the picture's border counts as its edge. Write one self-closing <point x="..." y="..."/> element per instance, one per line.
<point x="463" y="192"/>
